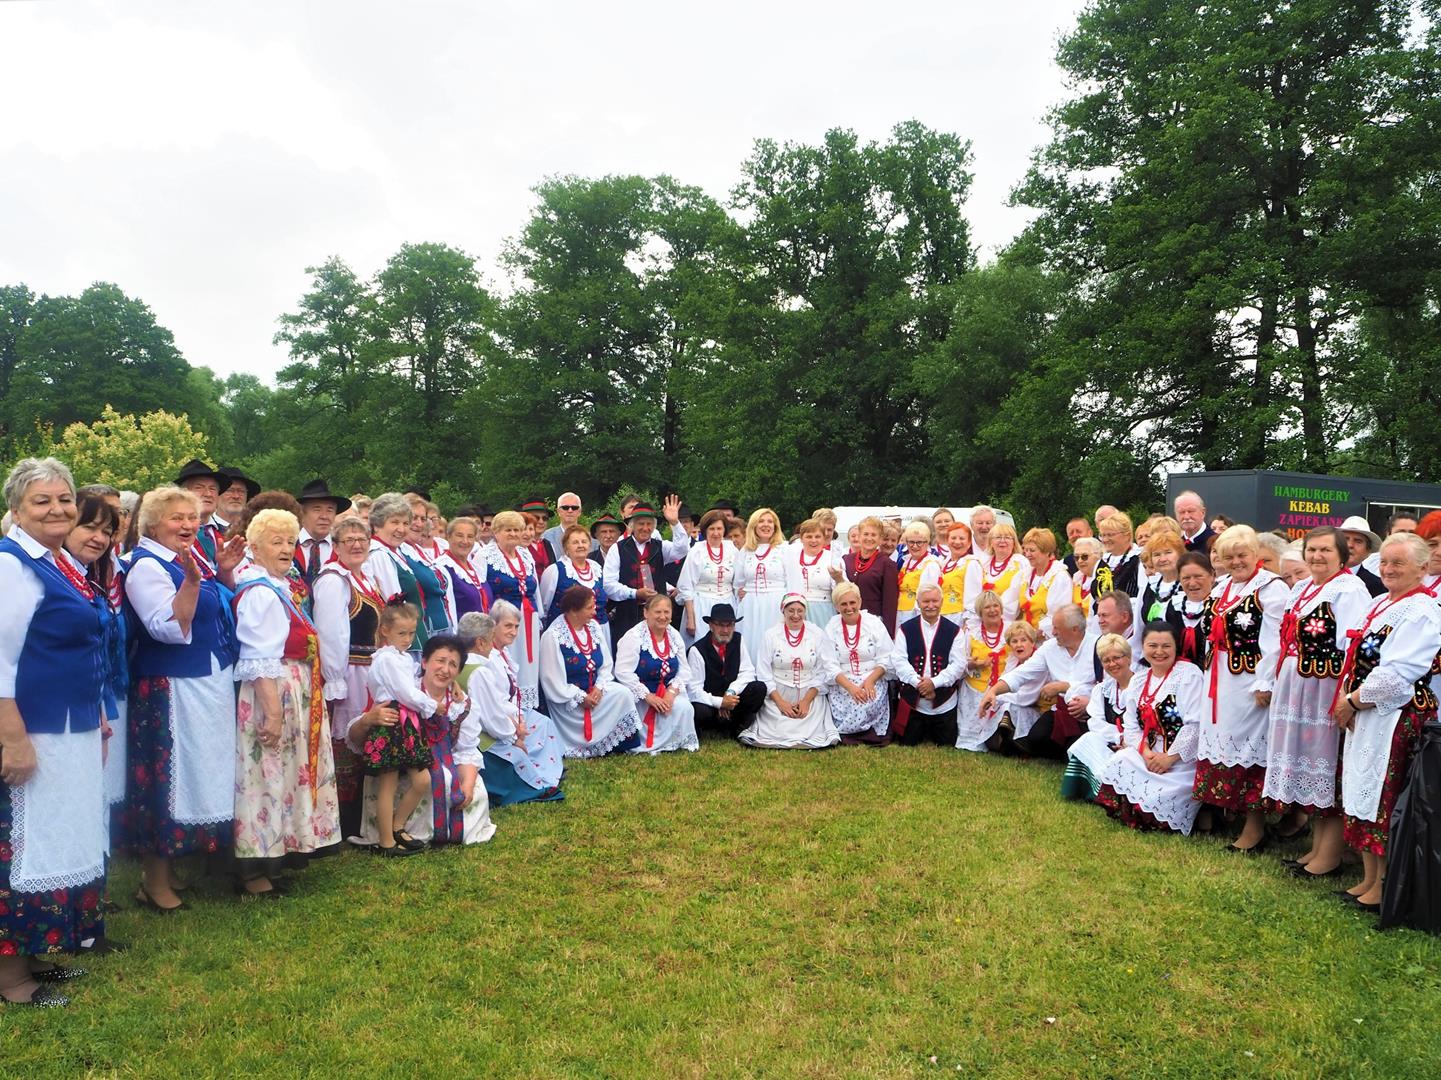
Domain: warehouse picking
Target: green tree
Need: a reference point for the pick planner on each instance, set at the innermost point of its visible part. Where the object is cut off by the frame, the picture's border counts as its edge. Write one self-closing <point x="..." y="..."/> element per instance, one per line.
<point x="136" y="452"/>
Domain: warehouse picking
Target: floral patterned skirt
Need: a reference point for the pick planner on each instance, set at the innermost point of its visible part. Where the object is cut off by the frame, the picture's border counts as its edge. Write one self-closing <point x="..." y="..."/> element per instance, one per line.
<point x="1127" y="812"/>
<point x="1371" y="835"/>
<point x="147" y="822"/>
<point x="282" y="810"/>
<point x="395" y="749"/>
<point x="36" y="923"/>
<point x="1231" y="787"/>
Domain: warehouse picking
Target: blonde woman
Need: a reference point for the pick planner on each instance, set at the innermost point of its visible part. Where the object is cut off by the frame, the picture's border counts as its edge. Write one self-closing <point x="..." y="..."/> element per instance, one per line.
<point x="1044" y="583"/>
<point x="1120" y="567"/>
<point x="860" y="702"/>
<point x="760" y="578"/>
<point x="1000" y="570"/>
<point x="919" y="569"/>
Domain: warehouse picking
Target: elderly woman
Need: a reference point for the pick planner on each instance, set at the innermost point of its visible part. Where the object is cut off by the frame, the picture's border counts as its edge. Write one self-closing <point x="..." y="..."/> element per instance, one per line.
<point x="799" y="667"/>
<point x="956" y="562"/>
<point x="1147" y="784"/>
<point x="593" y="714"/>
<point x="1045" y="582"/>
<point x="987" y="658"/>
<point x="180" y="798"/>
<point x="919" y="568"/>
<point x="522" y="755"/>
<point x="1000" y="571"/>
<point x="1120" y="567"/>
<point x="1302" y="745"/>
<point x="708" y="576"/>
<point x="510" y="575"/>
<point x="1385" y="698"/>
<point x="385" y="563"/>
<point x="573" y="566"/>
<point x="1163" y="553"/>
<point x="466" y="586"/>
<point x="1087" y="552"/>
<point x="1244" y="641"/>
<point x="867" y="567"/>
<point x="860" y="699"/>
<point x="813" y="569"/>
<point x="1088" y="756"/>
<point x="52" y="791"/>
<point x="347" y="606"/>
<point x="760" y="579"/>
<point x="650" y="663"/>
<point x="285" y="801"/>
<point x="1190" y="609"/>
<point x="422" y="552"/>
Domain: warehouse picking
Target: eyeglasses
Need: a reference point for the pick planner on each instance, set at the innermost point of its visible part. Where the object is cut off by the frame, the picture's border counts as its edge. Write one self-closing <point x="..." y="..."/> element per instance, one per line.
<point x="570" y="508"/>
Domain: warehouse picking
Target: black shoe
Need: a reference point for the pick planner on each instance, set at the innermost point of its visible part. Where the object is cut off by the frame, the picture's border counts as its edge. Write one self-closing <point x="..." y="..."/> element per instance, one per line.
<point x="1346" y="897"/>
<point x="110" y="907"/>
<point x="1374" y="909"/>
<point x="1255" y="849"/>
<point x="399" y="851"/>
<point x="145" y="900"/>
<point x="1306" y="875"/>
<point x="102" y="946"/>
<point x="410" y="843"/>
<point x="42" y="998"/>
<point x="58" y="974"/>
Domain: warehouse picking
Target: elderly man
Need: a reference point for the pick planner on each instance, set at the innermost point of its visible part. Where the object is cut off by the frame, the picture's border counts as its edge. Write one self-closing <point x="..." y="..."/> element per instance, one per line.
<point x="1116" y="614"/>
<point x="983" y="520"/>
<point x="1104" y="511"/>
<point x="318" y="511"/>
<point x="634" y="570"/>
<point x="198" y="477"/>
<point x="236" y="489"/>
<point x="1362" y="548"/>
<point x="1196" y="533"/>
<point x="1078" y="528"/>
<point x="567" y="508"/>
<point x="1062" y="668"/>
<point x="930" y="661"/>
<point x="674" y="549"/>
<point x="723" y="683"/>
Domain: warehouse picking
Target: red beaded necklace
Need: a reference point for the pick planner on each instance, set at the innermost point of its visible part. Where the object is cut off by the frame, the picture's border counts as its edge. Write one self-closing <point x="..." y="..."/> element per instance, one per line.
<point x="75" y="577"/>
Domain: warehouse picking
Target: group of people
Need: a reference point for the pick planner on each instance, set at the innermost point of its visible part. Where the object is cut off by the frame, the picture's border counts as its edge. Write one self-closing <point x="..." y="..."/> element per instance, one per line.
<point x="259" y="677"/>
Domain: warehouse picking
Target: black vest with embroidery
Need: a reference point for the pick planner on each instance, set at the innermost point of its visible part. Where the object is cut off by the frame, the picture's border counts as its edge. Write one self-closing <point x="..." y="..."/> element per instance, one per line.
<point x="719" y="675"/>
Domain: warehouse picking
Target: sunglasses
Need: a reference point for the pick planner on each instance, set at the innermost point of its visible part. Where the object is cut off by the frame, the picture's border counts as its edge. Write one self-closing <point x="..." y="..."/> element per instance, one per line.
<point x="570" y="508"/>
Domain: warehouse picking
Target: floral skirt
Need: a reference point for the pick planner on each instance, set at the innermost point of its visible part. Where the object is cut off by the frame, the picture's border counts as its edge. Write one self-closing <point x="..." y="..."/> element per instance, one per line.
<point x="1127" y="812"/>
<point x="282" y="809"/>
<point x="1370" y="836"/>
<point x="394" y="749"/>
<point x="36" y="923"/>
<point x="148" y="823"/>
<point x="1231" y="787"/>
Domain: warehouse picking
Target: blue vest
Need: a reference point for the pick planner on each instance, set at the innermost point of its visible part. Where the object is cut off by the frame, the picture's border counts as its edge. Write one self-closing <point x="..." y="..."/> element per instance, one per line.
<point x="564" y="580"/>
<point x="577" y="672"/>
<point x="946" y="633"/>
<point x="211" y="632"/>
<point x="60" y="678"/>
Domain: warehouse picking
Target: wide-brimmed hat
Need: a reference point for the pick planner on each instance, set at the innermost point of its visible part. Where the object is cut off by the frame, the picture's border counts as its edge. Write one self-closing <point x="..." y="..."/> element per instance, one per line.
<point x="794" y="598"/>
<point x="319" y="491"/>
<point x="1357" y="524"/>
<point x="606" y="519"/>
<point x="640" y="510"/>
<point x="226" y="476"/>
<point x="723" y="504"/>
<point x="722" y="613"/>
<point x="195" y="469"/>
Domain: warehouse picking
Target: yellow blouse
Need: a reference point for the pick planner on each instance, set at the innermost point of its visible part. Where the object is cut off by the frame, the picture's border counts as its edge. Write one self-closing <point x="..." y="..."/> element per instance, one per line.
<point x="981" y="658"/>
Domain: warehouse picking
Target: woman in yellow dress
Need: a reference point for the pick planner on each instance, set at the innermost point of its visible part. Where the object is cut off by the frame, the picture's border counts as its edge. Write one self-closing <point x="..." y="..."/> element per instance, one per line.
<point x="1044" y="583"/>
<point x="999" y="571"/>
<point x="918" y="568"/>
<point x="956" y="602"/>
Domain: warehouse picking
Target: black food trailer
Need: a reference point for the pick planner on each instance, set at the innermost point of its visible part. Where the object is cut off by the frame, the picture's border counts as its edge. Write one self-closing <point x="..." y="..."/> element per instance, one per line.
<point x="1295" y="502"/>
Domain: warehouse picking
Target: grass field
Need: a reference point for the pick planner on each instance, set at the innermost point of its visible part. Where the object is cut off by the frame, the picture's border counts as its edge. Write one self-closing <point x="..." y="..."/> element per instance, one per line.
<point x="872" y="913"/>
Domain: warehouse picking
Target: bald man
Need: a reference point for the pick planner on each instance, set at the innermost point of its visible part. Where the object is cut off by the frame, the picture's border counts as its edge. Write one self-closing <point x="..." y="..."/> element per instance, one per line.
<point x="568" y="507"/>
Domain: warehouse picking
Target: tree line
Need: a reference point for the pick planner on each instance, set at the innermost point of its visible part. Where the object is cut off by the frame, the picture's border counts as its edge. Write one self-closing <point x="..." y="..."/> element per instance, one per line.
<point x="1234" y="262"/>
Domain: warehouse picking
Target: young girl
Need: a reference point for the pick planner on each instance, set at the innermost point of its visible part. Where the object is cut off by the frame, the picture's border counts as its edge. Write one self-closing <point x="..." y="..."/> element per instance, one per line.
<point x="388" y="750"/>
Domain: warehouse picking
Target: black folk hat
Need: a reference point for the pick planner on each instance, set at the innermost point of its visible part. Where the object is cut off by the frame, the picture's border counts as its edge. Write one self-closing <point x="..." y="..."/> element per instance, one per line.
<point x="318" y="490"/>
<point x="195" y="469"/>
<point x="227" y="476"/>
<point x="721" y="613"/>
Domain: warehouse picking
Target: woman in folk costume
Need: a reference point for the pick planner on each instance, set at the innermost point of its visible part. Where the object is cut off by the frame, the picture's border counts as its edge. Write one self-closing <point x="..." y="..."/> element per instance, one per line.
<point x="1163" y="584"/>
<point x="1384" y="699"/>
<point x="593" y="714"/>
<point x="285" y="801"/>
<point x="798" y="670"/>
<point x="635" y="568"/>
<point x="860" y="697"/>
<point x="1045" y="584"/>
<point x="1190" y="609"/>
<point x="180" y="797"/>
<point x="386" y="564"/>
<point x="52" y="732"/>
<point x="1120" y="567"/>
<point x="1087" y="552"/>
<point x="956" y="562"/>
<point x="1148" y="783"/>
<point x="422" y="553"/>
<point x="522" y="753"/>
<point x="1088" y="756"/>
<point x="867" y="567"/>
<point x="1303" y="742"/>
<point x="1245" y="643"/>
<point x="708" y="576"/>
<point x="987" y="657"/>
<point x="650" y="663"/>
<point x="346" y="607"/>
<point x="467" y="587"/>
<point x="941" y="521"/>
<point x="574" y="566"/>
<point x="1000" y="571"/>
<point x="918" y="568"/>
<point x="510" y="575"/>
<point x="760" y="579"/>
<point x="813" y="569"/>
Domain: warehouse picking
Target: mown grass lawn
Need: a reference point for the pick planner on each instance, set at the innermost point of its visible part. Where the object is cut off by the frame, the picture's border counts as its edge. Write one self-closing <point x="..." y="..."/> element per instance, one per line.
<point x="876" y="913"/>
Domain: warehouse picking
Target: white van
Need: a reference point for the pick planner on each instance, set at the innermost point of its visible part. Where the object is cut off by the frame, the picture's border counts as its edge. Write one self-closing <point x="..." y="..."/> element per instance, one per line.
<point x="846" y="516"/>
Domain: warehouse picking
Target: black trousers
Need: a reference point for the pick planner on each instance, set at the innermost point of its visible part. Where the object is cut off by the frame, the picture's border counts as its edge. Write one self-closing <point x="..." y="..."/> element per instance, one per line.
<point x="752" y="697"/>
<point x="1041" y="742"/>
<point x="938" y="728"/>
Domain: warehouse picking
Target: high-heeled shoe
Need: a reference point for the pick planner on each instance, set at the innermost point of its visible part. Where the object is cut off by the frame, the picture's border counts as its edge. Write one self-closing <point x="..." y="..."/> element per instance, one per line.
<point x="145" y="900"/>
<point x="41" y="998"/>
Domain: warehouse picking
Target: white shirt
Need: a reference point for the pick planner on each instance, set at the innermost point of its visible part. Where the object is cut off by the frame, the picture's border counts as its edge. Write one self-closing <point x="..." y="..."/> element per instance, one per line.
<point x="327" y="548"/>
<point x="330" y="611"/>
<point x="151" y="593"/>
<point x="949" y="675"/>
<point x="1052" y="663"/>
<point x="699" y="575"/>
<point x="614" y="588"/>
<point x="696" y="663"/>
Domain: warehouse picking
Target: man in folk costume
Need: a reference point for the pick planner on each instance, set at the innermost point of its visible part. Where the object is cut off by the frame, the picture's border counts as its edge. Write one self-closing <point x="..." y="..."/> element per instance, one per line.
<point x="538" y="513"/>
<point x="634" y="570"/>
<point x="1062" y="670"/>
<point x="723" y="683"/>
<point x="605" y="531"/>
<point x="204" y="482"/>
<point x="1196" y="531"/>
<point x="235" y="490"/>
<point x="318" y="511"/>
<point x="929" y="663"/>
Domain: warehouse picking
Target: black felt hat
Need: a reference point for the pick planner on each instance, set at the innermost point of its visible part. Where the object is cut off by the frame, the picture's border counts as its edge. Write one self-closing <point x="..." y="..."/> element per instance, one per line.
<point x="227" y="476"/>
<point x="723" y="613"/>
<point x="195" y="469"/>
<point x="319" y="490"/>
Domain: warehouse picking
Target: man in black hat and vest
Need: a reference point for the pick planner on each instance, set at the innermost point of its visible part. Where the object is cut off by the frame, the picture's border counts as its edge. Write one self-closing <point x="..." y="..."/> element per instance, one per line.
<point x="319" y="507"/>
<point x="634" y="570"/>
<point x="236" y="489"/>
<point x="724" y="687"/>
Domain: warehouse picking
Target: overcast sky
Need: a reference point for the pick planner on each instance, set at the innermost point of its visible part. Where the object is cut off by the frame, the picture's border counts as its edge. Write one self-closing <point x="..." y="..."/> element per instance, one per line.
<point x="202" y="155"/>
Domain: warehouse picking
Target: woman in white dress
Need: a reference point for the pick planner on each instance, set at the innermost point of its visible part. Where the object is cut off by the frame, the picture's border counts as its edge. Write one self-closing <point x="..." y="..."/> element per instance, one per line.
<point x="508" y="568"/>
<point x="593" y="714"/>
<point x="650" y="663"/>
<point x="860" y="697"/>
<point x="760" y="579"/>
<point x="1000" y="571"/>
<point x="1147" y="784"/>
<point x="813" y="569"/>
<point x="1303" y="743"/>
<point x="799" y="667"/>
<point x="707" y="577"/>
<point x="1089" y="755"/>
